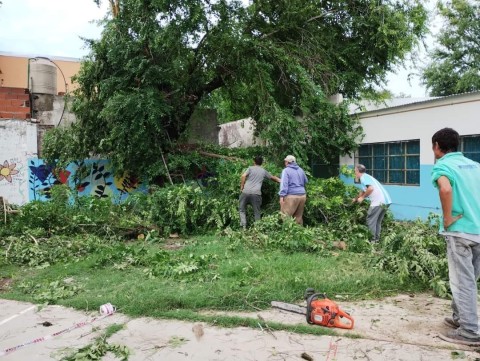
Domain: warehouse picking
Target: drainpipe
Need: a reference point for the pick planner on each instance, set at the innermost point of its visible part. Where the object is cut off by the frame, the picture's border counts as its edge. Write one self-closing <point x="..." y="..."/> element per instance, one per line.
<point x="30" y="95"/>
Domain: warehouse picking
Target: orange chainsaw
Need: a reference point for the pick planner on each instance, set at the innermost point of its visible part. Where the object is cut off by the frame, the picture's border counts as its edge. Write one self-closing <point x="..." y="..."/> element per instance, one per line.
<point x="319" y="311"/>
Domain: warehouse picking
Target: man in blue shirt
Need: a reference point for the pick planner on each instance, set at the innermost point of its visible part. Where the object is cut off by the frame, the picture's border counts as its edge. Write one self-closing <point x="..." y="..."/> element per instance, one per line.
<point x="456" y="178"/>
<point x="292" y="189"/>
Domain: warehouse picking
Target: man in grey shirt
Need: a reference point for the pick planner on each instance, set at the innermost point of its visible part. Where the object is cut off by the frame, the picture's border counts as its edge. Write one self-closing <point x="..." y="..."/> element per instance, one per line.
<point x="251" y="187"/>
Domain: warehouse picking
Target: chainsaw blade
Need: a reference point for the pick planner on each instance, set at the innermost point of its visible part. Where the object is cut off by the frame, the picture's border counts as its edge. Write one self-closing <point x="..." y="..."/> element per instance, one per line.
<point x="289" y="307"/>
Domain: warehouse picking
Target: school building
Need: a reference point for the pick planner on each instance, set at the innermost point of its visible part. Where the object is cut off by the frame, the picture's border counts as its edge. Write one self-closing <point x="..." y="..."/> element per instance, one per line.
<point x="397" y="148"/>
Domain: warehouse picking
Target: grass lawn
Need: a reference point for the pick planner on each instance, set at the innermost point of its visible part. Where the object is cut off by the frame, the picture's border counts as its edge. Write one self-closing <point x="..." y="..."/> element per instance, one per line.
<point x="205" y="273"/>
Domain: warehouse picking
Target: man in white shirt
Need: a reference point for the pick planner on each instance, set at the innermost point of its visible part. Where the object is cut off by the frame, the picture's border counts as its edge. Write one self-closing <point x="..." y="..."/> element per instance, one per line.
<point x="379" y="200"/>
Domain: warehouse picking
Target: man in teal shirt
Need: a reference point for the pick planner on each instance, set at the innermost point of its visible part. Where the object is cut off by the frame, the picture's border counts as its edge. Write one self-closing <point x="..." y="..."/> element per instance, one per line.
<point x="457" y="179"/>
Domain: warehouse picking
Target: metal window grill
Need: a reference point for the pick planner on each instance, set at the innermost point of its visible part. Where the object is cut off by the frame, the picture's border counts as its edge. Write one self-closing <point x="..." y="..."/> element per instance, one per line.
<point x="392" y="162"/>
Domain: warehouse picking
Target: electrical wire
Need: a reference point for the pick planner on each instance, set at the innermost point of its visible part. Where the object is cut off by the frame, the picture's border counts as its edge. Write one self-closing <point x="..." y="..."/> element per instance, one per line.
<point x="64" y="81"/>
<point x="414" y="205"/>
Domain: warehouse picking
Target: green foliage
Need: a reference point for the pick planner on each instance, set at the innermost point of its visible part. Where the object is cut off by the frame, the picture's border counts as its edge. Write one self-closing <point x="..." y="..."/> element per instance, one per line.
<point x="66" y="213"/>
<point x="186" y="265"/>
<point x="113" y="329"/>
<point x="209" y="204"/>
<point x="275" y="232"/>
<point x="227" y="278"/>
<point x="40" y="236"/>
<point x="26" y="250"/>
<point x="155" y="262"/>
<point x="59" y="143"/>
<point x="121" y="256"/>
<point x="51" y="292"/>
<point x="276" y="61"/>
<point x="330" y="200"/>
<point x="193" y="208"/>
<point x="455" y="65"/>
<point x="187" y="209"/>
<point x="416" y="251"/>
<point x="98" y="350"/>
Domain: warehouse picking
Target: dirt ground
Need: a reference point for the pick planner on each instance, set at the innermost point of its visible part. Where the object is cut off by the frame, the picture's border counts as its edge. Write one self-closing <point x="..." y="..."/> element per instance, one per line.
<point x="399" y="328"/>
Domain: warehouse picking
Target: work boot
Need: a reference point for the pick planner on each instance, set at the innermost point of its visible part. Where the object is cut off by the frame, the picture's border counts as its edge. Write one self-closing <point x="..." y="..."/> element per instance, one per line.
<point x="450" y="322"/>
<point x="461" y="337"/>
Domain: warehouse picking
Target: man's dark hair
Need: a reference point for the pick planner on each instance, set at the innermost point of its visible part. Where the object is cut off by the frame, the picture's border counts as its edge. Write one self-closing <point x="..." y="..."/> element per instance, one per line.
<point x="447" y="140"/>
<point x="258" y="160"/>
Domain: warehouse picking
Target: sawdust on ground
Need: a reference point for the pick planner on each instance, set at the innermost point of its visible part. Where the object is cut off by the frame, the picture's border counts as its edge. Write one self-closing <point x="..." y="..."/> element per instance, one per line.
<point x="404" y="327"/>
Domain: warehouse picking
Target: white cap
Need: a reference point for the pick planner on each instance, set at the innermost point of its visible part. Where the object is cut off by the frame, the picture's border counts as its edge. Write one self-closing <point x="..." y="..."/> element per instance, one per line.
<point x="290" y="159"/>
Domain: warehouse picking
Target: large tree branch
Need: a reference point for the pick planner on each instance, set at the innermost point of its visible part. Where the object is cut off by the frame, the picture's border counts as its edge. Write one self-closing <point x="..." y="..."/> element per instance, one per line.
<point x="114" y="4"/>
<point x="215" y="83"/>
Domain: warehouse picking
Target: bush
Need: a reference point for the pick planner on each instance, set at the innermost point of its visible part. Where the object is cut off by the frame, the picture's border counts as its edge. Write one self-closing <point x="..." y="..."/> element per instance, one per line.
<point x="66" y="214"/>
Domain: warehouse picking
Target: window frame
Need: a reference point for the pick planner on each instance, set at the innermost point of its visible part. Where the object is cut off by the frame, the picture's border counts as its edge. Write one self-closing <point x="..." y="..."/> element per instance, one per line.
<point x="462" y="147"/>
<point x="391" y="157"/>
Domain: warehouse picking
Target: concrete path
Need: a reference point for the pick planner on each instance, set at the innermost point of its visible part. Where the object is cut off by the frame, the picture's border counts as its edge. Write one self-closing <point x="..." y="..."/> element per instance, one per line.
<point x="152" y="339"/>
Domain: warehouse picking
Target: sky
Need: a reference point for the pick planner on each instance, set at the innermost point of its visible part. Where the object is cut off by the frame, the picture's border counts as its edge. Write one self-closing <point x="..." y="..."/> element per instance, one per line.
<point x="53" y="28"/>
<point x="48" y="27"/>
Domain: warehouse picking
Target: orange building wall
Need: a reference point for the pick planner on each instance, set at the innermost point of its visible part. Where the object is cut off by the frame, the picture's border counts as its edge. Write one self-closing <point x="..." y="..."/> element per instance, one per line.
<point x="14" y="72"/>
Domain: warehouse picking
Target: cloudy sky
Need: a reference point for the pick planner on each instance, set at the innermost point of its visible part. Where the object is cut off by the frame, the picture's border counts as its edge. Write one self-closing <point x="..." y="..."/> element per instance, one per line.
<point x="48" y="27"/>
<point x="53" y="28"/>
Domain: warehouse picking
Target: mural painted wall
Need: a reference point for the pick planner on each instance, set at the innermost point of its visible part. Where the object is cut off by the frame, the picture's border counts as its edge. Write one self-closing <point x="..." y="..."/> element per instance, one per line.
<point x="89" y="177"/>
<point x="18" y="142"/>
<point x="13" y="179"/>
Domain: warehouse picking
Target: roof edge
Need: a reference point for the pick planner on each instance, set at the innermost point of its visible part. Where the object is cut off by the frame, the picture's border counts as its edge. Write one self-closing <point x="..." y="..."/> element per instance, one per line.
<point x="430" y="103"/>
<point x="51" y="57"/>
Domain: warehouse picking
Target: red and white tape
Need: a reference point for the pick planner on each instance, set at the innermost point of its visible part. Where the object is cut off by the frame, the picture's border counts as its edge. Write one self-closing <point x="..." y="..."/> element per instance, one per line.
<point x="105" y="311"/>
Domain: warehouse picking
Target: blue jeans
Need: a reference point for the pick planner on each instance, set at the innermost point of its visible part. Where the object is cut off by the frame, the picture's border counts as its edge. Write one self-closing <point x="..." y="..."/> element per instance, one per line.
<point x="463" y="270"/>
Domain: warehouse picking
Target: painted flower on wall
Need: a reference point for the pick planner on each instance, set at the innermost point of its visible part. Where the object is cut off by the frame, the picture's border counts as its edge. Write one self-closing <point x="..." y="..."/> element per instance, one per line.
<point x="42" y="172"/>
<point x="126" y="183"/>
<point x="7" y="170"/>
<point x="62" y="175"/>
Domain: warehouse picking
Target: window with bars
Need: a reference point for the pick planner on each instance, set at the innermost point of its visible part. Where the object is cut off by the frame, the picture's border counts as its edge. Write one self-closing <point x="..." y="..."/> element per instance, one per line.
<point x="470" y="146"/>
<point x="392" y="162"/>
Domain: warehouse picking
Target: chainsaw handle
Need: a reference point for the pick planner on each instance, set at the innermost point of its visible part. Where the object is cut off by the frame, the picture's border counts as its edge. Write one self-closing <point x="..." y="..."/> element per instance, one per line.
<point x="316" y="296"/>
<point x="347" y="326"/>
<point x="309" y="305"/>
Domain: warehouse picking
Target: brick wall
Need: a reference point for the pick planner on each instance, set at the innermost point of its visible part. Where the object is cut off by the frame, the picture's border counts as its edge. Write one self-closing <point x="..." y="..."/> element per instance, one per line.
<point x="14" y="103"/>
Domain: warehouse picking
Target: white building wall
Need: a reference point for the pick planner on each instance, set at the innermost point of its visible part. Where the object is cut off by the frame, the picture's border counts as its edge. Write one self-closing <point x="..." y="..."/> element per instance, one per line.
<point x="239" y="133"/>
<point x="18" y="142"/>
<point x="421" y="121"/>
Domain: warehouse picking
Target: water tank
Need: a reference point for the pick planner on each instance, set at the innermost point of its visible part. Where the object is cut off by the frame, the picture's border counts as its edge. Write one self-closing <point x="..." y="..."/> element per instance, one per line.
<point x="43" y="77"/>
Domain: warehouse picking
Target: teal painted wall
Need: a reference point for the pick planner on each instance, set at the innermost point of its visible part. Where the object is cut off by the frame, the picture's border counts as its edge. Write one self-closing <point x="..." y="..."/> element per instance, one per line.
<point x="97" y="179"/>
<point x="412" y="202"/>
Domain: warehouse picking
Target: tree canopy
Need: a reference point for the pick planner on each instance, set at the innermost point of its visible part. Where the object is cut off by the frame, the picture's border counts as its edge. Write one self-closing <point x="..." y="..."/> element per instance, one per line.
<point x="274" y="60"/>
<point x="455" y="65"/>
